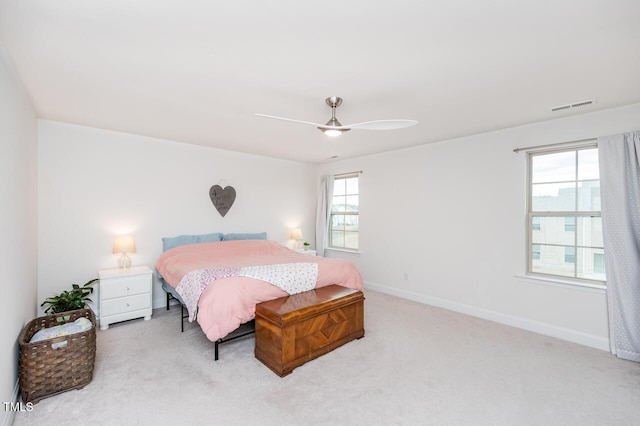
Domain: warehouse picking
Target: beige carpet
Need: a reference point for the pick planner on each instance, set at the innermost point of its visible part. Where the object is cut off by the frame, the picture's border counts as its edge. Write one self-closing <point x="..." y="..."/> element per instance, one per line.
<point x="417" y="365"/>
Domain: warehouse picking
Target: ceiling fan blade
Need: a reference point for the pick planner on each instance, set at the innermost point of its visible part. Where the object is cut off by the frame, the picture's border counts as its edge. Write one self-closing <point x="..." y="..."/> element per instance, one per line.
<point x="382" y="124"/>
<point x="289" y="119"/>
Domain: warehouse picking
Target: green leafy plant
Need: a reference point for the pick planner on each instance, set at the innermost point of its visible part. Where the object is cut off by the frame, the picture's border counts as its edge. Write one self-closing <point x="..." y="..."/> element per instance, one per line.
<point x="306" y="244"/>
<point x="70" y="300"/>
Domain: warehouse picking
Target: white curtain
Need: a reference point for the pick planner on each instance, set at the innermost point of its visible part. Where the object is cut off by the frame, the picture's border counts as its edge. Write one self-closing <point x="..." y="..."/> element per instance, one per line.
<point x="324" y="213"/>
<point x="620" y="194"/>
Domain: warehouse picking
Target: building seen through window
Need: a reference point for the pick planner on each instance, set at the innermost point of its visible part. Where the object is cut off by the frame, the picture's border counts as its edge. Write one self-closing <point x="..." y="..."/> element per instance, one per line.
<point x="343" y="228"/>
<point x="565" y="227"/>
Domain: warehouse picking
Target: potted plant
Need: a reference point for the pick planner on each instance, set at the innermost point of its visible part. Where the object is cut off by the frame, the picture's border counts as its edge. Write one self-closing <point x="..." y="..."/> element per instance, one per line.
<point x="70" y="300"/>
<point x="306" y="245"/>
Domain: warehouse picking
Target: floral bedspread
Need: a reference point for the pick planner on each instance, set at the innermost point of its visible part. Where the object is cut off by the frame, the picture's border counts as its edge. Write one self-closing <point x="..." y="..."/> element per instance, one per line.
<point x="293" y="278"/>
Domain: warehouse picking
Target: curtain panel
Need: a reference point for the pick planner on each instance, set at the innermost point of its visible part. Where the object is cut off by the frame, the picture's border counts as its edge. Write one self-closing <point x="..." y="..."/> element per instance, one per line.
<point x="620" y="195"/>
<point x="323" y="216"/>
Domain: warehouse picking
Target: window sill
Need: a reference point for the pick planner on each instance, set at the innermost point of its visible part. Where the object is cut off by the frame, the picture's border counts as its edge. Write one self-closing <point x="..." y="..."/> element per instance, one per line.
<point x="341" y="250"/>
<point x="559" y="282"/>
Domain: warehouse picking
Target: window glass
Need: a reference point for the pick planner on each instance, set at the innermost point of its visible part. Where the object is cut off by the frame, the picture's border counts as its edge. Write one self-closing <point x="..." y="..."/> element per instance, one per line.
<point x="565" y="227"/>
<point x="570" y="255"/>
<point x="339" y="204"/>
<point x="586" y="267"/>
<point x="598" y="263"/>
<point x="570" y="224"/>
<point x="351" y="185"/>
<point x="558" y="167"/>
<point x="339" y="187"/>
<point x="344" y="228"/>
<point x="552" y="261"/>
<point x="590" y="232"/>
<point x="553" y="231"/>
<point x="535" y="251"/>
<point x="588" y="168"/>
<point x="589" y="195"/>
<point x="535" y="224"/>
<point x="554" y="197"/>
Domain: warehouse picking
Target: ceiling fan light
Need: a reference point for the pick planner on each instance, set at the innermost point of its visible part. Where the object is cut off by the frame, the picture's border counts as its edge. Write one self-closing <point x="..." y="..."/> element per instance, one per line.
<point x="332" y="132"/>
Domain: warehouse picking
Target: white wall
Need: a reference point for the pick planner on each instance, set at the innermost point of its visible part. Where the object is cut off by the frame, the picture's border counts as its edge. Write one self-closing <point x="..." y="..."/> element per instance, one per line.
<point x="18" y="176"/>
<point x="95" y="184"/>
<point x="451" y="215"/>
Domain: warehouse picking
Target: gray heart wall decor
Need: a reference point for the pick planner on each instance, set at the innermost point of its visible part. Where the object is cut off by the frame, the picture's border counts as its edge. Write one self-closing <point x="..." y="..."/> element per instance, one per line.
<point x="222" y="199"/>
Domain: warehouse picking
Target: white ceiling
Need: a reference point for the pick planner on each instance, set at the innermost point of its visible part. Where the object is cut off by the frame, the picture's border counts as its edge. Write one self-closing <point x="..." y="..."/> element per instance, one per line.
<point x="197" y="71"/>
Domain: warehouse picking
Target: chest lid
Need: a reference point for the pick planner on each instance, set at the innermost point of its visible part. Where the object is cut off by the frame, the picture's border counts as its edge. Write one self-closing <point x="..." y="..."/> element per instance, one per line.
<point x="302" y="306"/>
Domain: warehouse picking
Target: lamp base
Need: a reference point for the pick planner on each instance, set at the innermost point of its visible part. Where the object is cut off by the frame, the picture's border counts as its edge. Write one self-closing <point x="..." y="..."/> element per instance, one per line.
<point x="124" y="261"/>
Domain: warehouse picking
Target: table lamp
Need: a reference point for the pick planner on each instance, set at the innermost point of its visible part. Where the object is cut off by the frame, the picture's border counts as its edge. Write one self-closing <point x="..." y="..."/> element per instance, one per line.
<point x="296" y="234"/>
<point x="124" y="244"/>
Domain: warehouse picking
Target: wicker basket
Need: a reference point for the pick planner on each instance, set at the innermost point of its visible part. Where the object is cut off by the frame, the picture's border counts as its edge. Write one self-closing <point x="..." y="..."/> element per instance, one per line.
<point x="45" y="371"/>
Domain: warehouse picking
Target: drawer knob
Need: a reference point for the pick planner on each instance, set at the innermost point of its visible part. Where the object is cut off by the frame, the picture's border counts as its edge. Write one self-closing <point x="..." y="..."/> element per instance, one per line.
<point x="128" y="289"/>
<point x="128" y="305"/>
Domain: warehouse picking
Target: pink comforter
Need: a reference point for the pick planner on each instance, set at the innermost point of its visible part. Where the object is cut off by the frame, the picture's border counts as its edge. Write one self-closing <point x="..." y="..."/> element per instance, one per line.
<point x="228" y="302"/>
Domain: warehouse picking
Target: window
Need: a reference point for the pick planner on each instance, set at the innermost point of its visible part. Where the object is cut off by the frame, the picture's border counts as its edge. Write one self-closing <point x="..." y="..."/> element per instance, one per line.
<point x="565" y="227"/>
<point x="570" y="223"/>
<point x="535" y="223"/>
<point x="535" y="252"/>
<point x="570" y="255"/>
<point x="598" y="263"/>
<point x="343" y="227"/>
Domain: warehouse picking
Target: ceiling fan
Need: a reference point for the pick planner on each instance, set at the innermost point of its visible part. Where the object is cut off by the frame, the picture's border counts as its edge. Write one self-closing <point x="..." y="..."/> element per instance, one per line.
<point x="335" y="128"/>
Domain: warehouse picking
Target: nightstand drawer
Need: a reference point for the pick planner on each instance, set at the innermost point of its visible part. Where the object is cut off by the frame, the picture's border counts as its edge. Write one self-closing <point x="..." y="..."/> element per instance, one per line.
<point x="124" y="286"/>
<point x="125" y="304"/>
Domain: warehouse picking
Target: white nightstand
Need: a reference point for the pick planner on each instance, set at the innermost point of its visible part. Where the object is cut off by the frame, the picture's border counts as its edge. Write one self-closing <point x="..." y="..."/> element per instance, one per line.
<point x="309" y="252"/>
<point x="124" y="294"/>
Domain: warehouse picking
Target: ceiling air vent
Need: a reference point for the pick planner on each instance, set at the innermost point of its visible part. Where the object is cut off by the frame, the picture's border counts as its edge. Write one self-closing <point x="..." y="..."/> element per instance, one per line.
<point x="574" y="105"/>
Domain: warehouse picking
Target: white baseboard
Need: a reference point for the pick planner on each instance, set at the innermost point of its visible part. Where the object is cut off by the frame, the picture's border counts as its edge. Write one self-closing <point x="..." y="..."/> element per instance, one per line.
<point x="569" y="335"/>
<point x="9" y="415"/>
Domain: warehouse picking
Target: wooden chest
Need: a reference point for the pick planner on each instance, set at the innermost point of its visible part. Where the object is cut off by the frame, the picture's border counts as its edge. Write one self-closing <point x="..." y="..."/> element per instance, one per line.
<point x="295" y="329"/>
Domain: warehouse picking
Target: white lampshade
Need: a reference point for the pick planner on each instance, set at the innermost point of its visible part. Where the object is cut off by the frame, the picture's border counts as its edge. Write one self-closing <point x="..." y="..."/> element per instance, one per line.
<point x="124" y="244"/>
<point x="296" y="234"/>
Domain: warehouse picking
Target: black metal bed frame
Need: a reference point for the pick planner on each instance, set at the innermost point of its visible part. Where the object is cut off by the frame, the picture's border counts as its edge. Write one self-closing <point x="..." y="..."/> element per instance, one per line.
<point x="245" y="329"/>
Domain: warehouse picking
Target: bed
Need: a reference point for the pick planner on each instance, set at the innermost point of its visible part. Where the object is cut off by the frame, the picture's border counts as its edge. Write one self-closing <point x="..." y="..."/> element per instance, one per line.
<point x="227" y="302"/>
